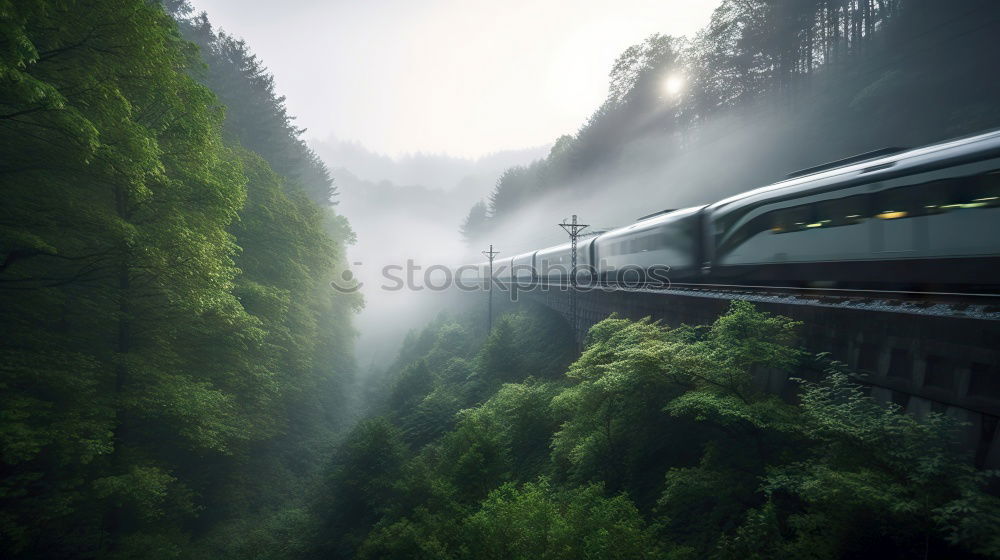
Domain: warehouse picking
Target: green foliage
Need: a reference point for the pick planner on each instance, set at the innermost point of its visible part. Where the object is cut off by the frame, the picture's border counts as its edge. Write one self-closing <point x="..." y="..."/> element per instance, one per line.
<point x="520" y="417"/>
<point x="256" y="116"/>
<point x="173" y="362"/>
<point x="628" y="370"/>
<point x="141" y="173"/>
<point x="700" y="502"/>
<point x="474" y="459"/>
<point x="164" y="292"/>
<point x="362" y="486"/>
<point x="505" y="438"/>
<point x="270" y="536"/>
<point x="500" y="358"/>
<point x="660" y="443"/>
<point x="871" y="462"/>
<point x="404" y="539"/>
<point x="536" y="522"/>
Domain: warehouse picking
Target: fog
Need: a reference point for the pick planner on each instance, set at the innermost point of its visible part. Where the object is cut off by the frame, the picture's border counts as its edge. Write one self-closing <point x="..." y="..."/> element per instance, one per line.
<point x="229" y="246"/>
<point x="840" y="112"/>
<point x="461" y="77"/>
<point x="447" y="97"/>
<point x="409" y="164"/>
<point x="419" y="222"/>
<point x="410" y="208"/>
<point x="650" y="178"/>
<point x="465" y="178"/>
<point x="402" y="210"/>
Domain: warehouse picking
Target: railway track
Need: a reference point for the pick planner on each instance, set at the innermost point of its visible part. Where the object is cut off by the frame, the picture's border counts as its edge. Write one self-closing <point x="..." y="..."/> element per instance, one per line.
<point x="982" y="306"/>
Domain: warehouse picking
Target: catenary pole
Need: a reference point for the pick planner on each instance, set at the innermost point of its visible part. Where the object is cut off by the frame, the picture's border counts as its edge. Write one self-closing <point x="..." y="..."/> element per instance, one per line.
<point x="491" y="254"/>
<point x="574" y="229"/>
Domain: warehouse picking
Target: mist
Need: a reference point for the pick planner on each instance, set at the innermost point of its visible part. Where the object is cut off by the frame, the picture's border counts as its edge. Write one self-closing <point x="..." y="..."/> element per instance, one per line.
<point x="654" y="149"/>
<point x="649" y="150"/>
<point x="406" y="210"/>
<point x="231" y="330"/>
<point x="463" y="177"/>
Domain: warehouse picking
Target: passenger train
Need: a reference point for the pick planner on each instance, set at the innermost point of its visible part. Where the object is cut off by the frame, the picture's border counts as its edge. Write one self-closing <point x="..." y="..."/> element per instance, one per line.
<point x="925" y="220"/>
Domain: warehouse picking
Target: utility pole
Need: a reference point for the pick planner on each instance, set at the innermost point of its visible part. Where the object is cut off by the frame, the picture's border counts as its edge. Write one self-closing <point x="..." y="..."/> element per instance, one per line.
<point x="573" y="229"/>
<point x="491" y="254"/>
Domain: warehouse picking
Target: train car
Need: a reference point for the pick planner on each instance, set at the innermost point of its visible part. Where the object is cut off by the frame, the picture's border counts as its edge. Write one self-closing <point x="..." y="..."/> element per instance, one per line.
<point x="477" y="276"/>
<point x="523" y="269"/>
<point x="666" y="245"/>
<point x="925" y="219"/>
<point x="553" y="264"/>
<point x="481" y="271"/>
<point x="502" y="269"/>
<point x="586" y="265"/>
<point x="919" y="220"/>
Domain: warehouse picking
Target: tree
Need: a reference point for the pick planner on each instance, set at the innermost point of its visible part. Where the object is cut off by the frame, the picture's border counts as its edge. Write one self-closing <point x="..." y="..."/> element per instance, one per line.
<point x="475" y="223"/>
<point x="150" y="189"/>
<point x="535" y="521"/>
<point x="256" y="115"/>
<point x="499" y="358"/>
<point x="622" y="379"/>
<point x="164" y="293"/>
<point x="363" y="486"/>
<point x="878" y="479"/>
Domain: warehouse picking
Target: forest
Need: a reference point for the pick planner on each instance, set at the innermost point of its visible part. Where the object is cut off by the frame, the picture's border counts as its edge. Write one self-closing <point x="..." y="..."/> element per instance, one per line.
<point x="772" y="85"/>
<point x="173" y="358"/>
<point x="654" y="442"/>
<point x="178" y="381"/>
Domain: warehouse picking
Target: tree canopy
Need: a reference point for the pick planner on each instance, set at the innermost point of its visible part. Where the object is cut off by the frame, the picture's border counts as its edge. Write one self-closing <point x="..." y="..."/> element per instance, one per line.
<point x="656" y="443"/>
<point x="162" y="288"/>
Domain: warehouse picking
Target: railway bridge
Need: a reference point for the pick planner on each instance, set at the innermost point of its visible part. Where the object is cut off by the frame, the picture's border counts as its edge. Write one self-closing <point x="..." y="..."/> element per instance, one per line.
<point x="924" y="355"/>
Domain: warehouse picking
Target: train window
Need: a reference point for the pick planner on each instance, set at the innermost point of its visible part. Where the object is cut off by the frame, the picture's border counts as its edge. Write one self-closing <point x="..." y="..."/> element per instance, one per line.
<point x="798" y="232"/>
<point x="938" y="213"/>
<point x="768" y="222"/>
<point x="648" y="243"/>
<point x="846" y="211"/>
<point x="641" y="244"/>
<point x="938" y="196"/>
<point x="673" y="243"/>
<point x="949" y="212"/>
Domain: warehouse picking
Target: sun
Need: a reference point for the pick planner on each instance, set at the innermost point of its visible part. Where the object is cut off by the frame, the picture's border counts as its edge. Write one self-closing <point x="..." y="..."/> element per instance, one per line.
<point x="673" y="85"/>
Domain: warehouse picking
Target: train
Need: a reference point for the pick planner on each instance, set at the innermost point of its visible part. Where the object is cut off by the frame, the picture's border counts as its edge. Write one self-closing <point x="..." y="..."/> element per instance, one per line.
<point x="915" y="220"/>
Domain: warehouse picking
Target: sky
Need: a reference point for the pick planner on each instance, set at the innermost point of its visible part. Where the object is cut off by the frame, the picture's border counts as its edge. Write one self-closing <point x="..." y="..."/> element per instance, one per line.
<point x="458" y="77"/>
